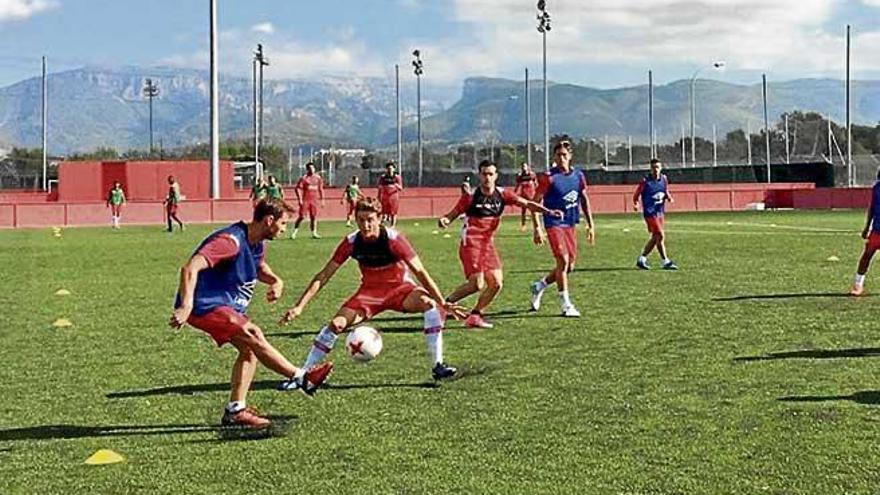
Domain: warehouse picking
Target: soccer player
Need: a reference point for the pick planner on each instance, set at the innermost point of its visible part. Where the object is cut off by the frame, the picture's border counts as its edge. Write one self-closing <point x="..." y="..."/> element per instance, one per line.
<point x="561" y="188"/>
<point x="308" y="190"/>
<point x="389" y="188"/>
<point x="274" y="191"/>
<point x="653" y="191"/>
<point x="871" y="234"/>
<point x="388" y="264"/>
<point x="482" y="266"/>
<point x="172" y="202"/>
<point x="350" y="198"/>
<point x="258" y="191"/>
<point x="115" y="200"/>
<point x="526" y="184"/>
<point x="216" y="286"/>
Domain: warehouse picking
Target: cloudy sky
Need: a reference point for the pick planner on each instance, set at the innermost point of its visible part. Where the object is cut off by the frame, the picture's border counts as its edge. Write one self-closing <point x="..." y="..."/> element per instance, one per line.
<point x="603" y="43"/>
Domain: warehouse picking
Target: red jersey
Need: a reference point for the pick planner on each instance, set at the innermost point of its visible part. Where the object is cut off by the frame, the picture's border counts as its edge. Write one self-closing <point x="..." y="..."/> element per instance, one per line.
<point x="390" y="185"/>
<point x="382" y="261"/>
<point x="483" y="213"/>
<point x="310" y="187"/>
<point x="526" y="184"/>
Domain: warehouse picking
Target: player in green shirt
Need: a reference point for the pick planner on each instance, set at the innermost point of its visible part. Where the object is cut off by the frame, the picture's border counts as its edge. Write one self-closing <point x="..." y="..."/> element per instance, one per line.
<point x="258" y="191"/>
<point x="274" y="190"/>
<point x="351" y="196"/>
<point x="115" y="200"/>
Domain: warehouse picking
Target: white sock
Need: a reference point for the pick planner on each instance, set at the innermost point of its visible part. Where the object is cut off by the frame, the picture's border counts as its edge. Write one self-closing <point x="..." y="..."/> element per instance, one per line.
<point x="643" y="259"/>
<point x="434" y="335"/>
<point x="322" y="345"/>
<point x="234" y="406"/>
<point x="859" y="280"/>
<point x="564" y="298"/>
<point x="542" y="284"/>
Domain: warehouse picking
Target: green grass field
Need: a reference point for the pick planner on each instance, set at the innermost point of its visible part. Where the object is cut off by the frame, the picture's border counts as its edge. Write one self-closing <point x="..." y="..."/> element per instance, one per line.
<point x="745" y="372"/>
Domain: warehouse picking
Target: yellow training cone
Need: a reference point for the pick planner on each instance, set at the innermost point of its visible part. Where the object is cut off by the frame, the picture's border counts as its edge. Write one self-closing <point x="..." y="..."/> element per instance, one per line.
<point x="435" y="232"/>
<point x="104" y="456"/>
<point x="833" y="259"/>
<point x="62" y="292"/>
<point x="447" y="236"/>
<point x="62" y="322"/>
<point x="416" y="224"/>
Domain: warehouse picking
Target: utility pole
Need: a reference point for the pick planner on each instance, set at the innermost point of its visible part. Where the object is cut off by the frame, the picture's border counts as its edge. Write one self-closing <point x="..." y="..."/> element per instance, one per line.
<point x="397" y="111"/>
<point x="215" y="105"/>
<point x="528" y="121"/>
<point x="418" y="70"/>
<point x="544" y="28"/>
<point x="651" y="113"/>
<point x="45" y="128"/>
<point x="260" y="61"/>
<point x="151" y="90"/>
<point x="849" y="162"/>
<point x="766" y="125"/>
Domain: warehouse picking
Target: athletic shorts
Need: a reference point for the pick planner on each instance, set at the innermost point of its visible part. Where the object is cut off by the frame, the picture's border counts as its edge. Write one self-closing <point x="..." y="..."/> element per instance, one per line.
<point x="310" y="208"/>
<point x="221" y="323"/>
<point x="116" y="209"/>
<point x="390" y="205"/>
<point x="373" y="300"/>
<point x="655" y="224"/>
<point x="873" y="241"/>
<point x="351" y="205"/>
<point x="563" y="242"/>
<point x="478" y="257"/>
<point x="171" y="208"/>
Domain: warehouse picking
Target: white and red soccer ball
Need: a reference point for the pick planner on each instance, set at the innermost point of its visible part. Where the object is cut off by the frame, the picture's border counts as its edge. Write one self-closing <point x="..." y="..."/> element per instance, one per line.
<point x="363" y="343"/>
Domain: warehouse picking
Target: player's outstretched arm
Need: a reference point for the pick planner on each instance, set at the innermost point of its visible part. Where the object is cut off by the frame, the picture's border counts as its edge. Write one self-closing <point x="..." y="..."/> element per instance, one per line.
<point x="268" y="277"/>
<point x="318" y="281"/>
<point x="189" y="274"/>
<point x="418" y="270"/>
<point x="868" y="220"/>
<point x="537" y="207"/>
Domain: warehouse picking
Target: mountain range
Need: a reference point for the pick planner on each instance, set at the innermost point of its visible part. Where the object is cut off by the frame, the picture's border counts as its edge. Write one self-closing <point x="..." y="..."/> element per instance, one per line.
<point x="93" y="107"/>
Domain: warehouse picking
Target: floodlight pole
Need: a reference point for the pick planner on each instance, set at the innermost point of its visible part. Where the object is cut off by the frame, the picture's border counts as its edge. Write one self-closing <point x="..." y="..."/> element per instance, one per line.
<point x="418" y="70"/>
<point x="715" y="65"/>
<point x="528" y="104"/>
<point x="45" y="119"/>
<point x="651" y="112"/>
<point x="151" y="90"/>
<point x="215" y="105"/>
<point x="766" y="125"/>
<point x="397" y="112"/>
<point x="543" y="28"/>
<point x="849" y="162"/>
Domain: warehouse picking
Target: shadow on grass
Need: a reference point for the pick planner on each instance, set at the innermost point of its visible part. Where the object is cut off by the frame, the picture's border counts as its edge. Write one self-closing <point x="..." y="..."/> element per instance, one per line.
<point x="814" y="354"/>
<point x="382" y="329"/>
<point x="758" y="297"/>
<point x="578" y="270"/>
<point x="257" y="385"/>
<point x="866" y="397"/>
<point x="62" y="432"/>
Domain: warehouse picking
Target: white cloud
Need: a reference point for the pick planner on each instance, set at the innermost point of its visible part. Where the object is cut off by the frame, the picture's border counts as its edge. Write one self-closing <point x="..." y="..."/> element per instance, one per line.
<point x="11" y="10"/>
<point x="263" y="27"/>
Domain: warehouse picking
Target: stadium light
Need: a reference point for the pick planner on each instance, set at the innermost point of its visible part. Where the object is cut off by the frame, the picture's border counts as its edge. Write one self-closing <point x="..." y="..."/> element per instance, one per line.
<point x="260" y="61"/>
<point x="544" y="28"/>
<point x="215" y="104"/>
<point x="717" y="65"/>
<point x="151" y="90"/>
<point x="418" y="70"/>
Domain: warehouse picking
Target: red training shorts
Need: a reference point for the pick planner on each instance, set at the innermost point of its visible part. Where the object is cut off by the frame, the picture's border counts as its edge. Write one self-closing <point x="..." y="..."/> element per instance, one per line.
<point x="351" y="205"/>
<point x="310" y="208"/>
<point x="478" y="257"/>
<point x="390" y="205"/>
<point x="655" y="224"/>
<point x="373" y="300"/>
<point x="221" y="323"/>
<point x="563" y="242"/>
<point x="873" y="241"/>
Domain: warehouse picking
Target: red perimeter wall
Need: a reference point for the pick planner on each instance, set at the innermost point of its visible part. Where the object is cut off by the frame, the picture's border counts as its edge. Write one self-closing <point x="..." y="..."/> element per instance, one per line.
<point x="415" y="202"/>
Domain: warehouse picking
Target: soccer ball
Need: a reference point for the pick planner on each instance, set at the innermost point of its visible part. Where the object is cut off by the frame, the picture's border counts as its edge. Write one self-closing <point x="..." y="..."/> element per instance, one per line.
<point x="363" y="343"/>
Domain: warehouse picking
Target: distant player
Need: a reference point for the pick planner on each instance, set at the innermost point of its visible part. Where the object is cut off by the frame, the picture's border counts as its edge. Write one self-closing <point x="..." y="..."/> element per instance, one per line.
<point x="258" y="191"/>
<point x="172" y="203"/>
<point x="274" y="191"/>
<point x="216" y="286"/>
<point x="653" y="192"/>
<point x="350" y="197"/>
<point x="389" y="189"/>
<point x="309" y="189"/>
<point x="871" y="234"/>
<point x="115" y="200"/>
<point x="561" y="188"/>
<point x="388" y="264"/>
<point x="482" y="209"/>
<point x="526" y="185"/>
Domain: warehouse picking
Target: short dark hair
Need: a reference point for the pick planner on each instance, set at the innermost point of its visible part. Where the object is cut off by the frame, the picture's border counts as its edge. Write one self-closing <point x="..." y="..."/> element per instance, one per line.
<point x="390" y="164"/>
<point x="368" y="204"/>
<point x="274" y="207"/>
<point x="486" y="163"/>
<point x="310" y="163"/>
<point x="655" y="160"/>
<point x="565" y="142"/>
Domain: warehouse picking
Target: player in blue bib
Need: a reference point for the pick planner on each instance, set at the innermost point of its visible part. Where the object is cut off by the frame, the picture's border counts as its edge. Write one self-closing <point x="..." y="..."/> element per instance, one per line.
<point x="653" y="192"/>
<point x="871" y="235"/>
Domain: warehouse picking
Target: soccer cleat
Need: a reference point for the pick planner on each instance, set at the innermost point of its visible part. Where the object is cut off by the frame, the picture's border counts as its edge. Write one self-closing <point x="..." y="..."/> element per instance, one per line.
<point x="315" y="235"/>
<point x="293" y="233"/>
<point x="856" y="290"/>
<point x="535" y="299"/>
<point x="441" y="371"/>
<point x="570" y="312"/>
<point x="348" y="223"/>
<point x="475" y="320"/>
<point x="310" y="381"/>
<point x="642" y="265"/>
<point x="247" y="418"/>
<point x="670" y="266"/>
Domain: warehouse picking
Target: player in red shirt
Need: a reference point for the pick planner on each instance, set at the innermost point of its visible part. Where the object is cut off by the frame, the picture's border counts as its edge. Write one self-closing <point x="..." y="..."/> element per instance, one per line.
<point x="309" y="188"/>
<point x="389" y="189"/>
<point x="388" y="264"/>
<point x="215" y="290"/>
<point x="482" y="266"/>
<point x="526" y="185"/>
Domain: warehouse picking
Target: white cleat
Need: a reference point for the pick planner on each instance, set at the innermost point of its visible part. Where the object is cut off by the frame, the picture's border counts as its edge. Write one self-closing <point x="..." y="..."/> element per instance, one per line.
<point x="535" y="298"/>
<point x="571" y="312"/>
